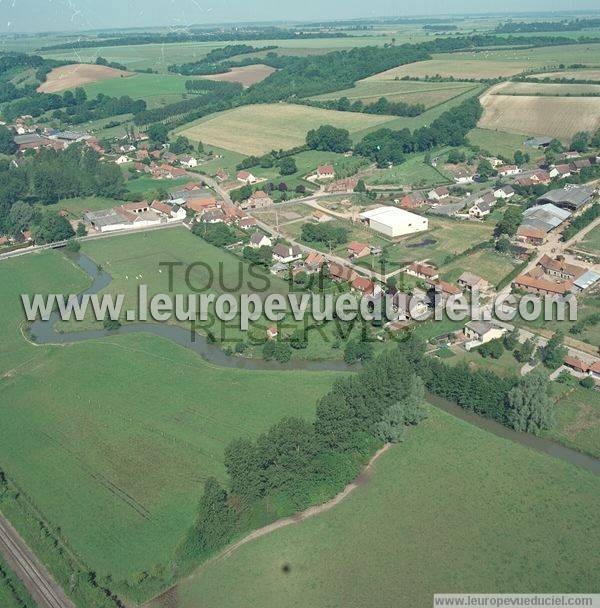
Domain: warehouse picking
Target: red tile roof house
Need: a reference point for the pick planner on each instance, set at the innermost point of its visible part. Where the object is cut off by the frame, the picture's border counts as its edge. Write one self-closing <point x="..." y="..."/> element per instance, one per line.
<point x="439" y="193"/>
<point x="172" y="172"/>
<point x="260" y="199"/>
<point x="222" y="175"/>
<point x="246" y="178"/>
<point x="444" y="290"/>
<point x="540" y="286"/>
<point x="314" y="262"/>
<point x="200" y="205"/>
<point x="325" y="172"/>
<point x="412" y="200"/>
<point x="560" y="171"/>
<point x="423" y="271"/>
<point x="531" y="235"/>
<point x="358" y="250"/>
<point x="577" y="364"/>
<point x="341" y="274"/>
<point x="247" y="222"/>
<point x="364" y="285"/>
<point x="561" y="269"/>
<point x="162" y="208"/>
<point x="505" y="170"/>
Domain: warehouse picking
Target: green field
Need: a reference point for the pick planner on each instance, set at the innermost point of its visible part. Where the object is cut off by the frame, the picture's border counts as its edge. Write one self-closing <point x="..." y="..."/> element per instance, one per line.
<point x="413" y="173"/>
<point x="559" y="90"/>
<point x="146" y="185"/>
<point x="156" y="89"/>
<point x="76" y="207"/>
<point x="12" y="592"/>
<point x="111" y="439"/>
<point x="495" y="63"/>
<point x="492" y="516"/>
<point x="488" y="264"/>
<point x="591" y="242"/>
<point x="499" y="142"/>
<point x="429" y="94"/>
<point x="257" y="129"/>
<point x="449" y="238"/>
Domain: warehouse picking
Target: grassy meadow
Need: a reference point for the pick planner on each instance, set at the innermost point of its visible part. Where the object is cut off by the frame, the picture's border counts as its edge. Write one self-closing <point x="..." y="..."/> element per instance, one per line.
<point x="81" y="424"/>
<point x="412" y="173"/>
<point x="499" y="142"/>
<point x="492" y="516"/>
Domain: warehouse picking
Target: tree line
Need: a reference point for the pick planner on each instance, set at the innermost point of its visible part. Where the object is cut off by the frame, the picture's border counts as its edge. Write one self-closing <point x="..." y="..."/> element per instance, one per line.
<point x="381" y="106"/>
<point x="211" y="63"/>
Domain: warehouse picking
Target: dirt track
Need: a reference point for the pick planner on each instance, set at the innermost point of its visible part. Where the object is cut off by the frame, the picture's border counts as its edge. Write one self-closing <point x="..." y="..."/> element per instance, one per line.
<point x="78" y="74"/>
<point x="169" y="597"/>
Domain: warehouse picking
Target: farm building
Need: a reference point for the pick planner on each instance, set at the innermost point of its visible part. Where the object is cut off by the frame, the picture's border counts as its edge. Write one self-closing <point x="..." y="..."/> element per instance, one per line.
<point x="325" y="172"/>
<point x="572" y="197"/>
<point x="585" y="281"/>
<point x="545" y="217"/>
<point x="394" y="222"/>
<point x="539" y="142"/>
<point x="480" y="332"/>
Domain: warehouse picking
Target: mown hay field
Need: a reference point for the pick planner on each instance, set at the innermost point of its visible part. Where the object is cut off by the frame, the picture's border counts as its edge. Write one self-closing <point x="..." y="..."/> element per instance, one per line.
<point x="559" y="90"/>
<point x="257" y="129"/>
<point x="428" y="93"/>
<point x="245" y="75"/>
<point x="69" y="76"/>
<point x="559" y="117"/>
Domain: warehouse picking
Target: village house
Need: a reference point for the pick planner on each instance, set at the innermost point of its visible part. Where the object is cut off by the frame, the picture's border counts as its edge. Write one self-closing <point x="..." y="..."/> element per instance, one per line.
<point x="221" y="175"/>
<point x="200" y="205"/>
<point x="534" y="178"/>
<point x="481" y="332"/>
<point x="213" y="216"/>
<point x="494" y="161"/>
<point x="577" y="165"/>
<point x="560" y="171"/>
<point x="325" y="172"/>
<point x="320" y="217"/>
<point x="169" y="157"/>
<point x="471" y="281"/>
<point x="533" y="282"/>
<point x="560" y="269"/>
<point x="583" y="368"/>
<point x="259" y="199"/>
<point x="357" y="250"/>
<point x="341" y="274"/>
<point x="444" y="290"/>
<point x="246" y="223"/>
<point x="531" y="236"/>
<point x="258" y="240"/>
<point x="365" y="286"/>
<point x="464" y="176"/>
<point x="505" y="192"/>
<point x="342" y="185"/>
<point x="438" y="194"/>
<point x="314" y="262"/>
<point x="483" y="205"/>
<point x="121" y="160"/>
<point x="246" y="178"/>
<point x="410" y="307"/>
<point x="412" y="200"/>
<point x="188" y="161"/>
<point x="423" y="271"/>
<point x="286" y="253"/>
<point x="505" y="170"/>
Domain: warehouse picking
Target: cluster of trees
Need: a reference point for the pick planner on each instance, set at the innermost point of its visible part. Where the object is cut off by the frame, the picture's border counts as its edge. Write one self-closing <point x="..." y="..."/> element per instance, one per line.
<point x="386" y="146"/>
<point x="261" y="256"/>
<point x="215" y="100"/>
<point x="215" y="61"/>
<point x="110" y="64"/>
<point x="381" y="106"/>
<point x="219" y="235"/>
<point x="53" y="175"/>
<point x="565" y="25"/>
<point x="324" y="233"/>
<point x="329" y="139"/>
<point x="206" y="35"/>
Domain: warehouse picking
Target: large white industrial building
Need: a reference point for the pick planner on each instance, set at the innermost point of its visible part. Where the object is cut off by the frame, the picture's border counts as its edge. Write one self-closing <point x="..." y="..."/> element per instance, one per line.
<point x="394" y="222"/>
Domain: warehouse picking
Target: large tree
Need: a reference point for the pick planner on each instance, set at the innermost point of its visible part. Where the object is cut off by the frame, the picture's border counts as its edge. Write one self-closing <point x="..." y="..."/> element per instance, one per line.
<point x="19" y="218"/>
<point x="529" y="407"/>
<point x="7" y="142"/>
<point x="329" y="139"/>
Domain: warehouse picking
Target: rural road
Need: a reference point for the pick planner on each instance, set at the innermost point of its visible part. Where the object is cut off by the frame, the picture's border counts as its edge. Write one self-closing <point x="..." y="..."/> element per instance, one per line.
<point x="37" y="580"/>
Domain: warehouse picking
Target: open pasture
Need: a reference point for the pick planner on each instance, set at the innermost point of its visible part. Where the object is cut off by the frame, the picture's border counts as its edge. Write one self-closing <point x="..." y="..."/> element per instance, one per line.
<point x="429" y="94"/>
<point x="77" y="75"/>
<point x="246" y="75"/>
<point x="81" y="423"/>
<point x="497" y="142"/>
<point x="559" y="117"/>
<point x="444" y="495"/>
<point x="257" y="129"/>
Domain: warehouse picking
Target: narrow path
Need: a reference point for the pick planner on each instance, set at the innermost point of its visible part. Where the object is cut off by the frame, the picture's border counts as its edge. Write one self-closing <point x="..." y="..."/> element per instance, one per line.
<point x="277" y="525"/>
<point x="37" y="580"/>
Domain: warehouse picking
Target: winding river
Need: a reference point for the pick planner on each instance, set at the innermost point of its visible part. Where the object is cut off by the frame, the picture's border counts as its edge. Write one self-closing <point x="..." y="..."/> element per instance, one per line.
<point x="45" y="334"/>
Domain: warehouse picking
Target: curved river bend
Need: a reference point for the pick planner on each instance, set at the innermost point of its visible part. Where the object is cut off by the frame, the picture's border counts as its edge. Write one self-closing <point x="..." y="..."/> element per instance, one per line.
<point x="45" y="334"/>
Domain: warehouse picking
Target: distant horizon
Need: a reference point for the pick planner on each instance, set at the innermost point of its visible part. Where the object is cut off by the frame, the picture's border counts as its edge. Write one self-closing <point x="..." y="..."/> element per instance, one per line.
<point x="84" y="16"/>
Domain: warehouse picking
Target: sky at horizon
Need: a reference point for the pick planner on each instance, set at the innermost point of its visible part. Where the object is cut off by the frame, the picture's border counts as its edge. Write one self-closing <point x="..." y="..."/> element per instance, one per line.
<point x="80" y="15"/>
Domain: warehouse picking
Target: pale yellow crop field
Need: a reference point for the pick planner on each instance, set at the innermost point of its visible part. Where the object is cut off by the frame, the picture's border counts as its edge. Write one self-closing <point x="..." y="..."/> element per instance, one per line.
<point x="257" y="129"/>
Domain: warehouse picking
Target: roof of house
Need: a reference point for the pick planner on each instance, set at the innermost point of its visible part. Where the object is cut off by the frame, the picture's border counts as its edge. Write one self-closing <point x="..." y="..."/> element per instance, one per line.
<point x="448" y="288"/>
<point x="506" y="190"/>
<point x="212" y="215"/>
<point x="257" y="237"/>
<point x="530" y="233"/>
<point x="480" y="327"/>
<point x="259" y="194"/>
<point x="356" y="247"/>
<point x="414" y="197"/>
<point x="285" y="251"/>
<point x="556" y="265"/>
<point x="247" y="221"/>
<point x="363" y="284"/>
<point x="425" y="269"/>
<point x="577" y="364"/>
<point x="545" y="217"/>
<point x="162" y="207"/>
<point x="325" y="170"/>
<point x="201" y="204"/>
<point x="315" y="259"/>
<point x="442" y="191"/>
<point x="341" y="272"/>
<point x="243" y="175"/>
<point x="470" y="279"/>
<point x="528" y="281"/>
